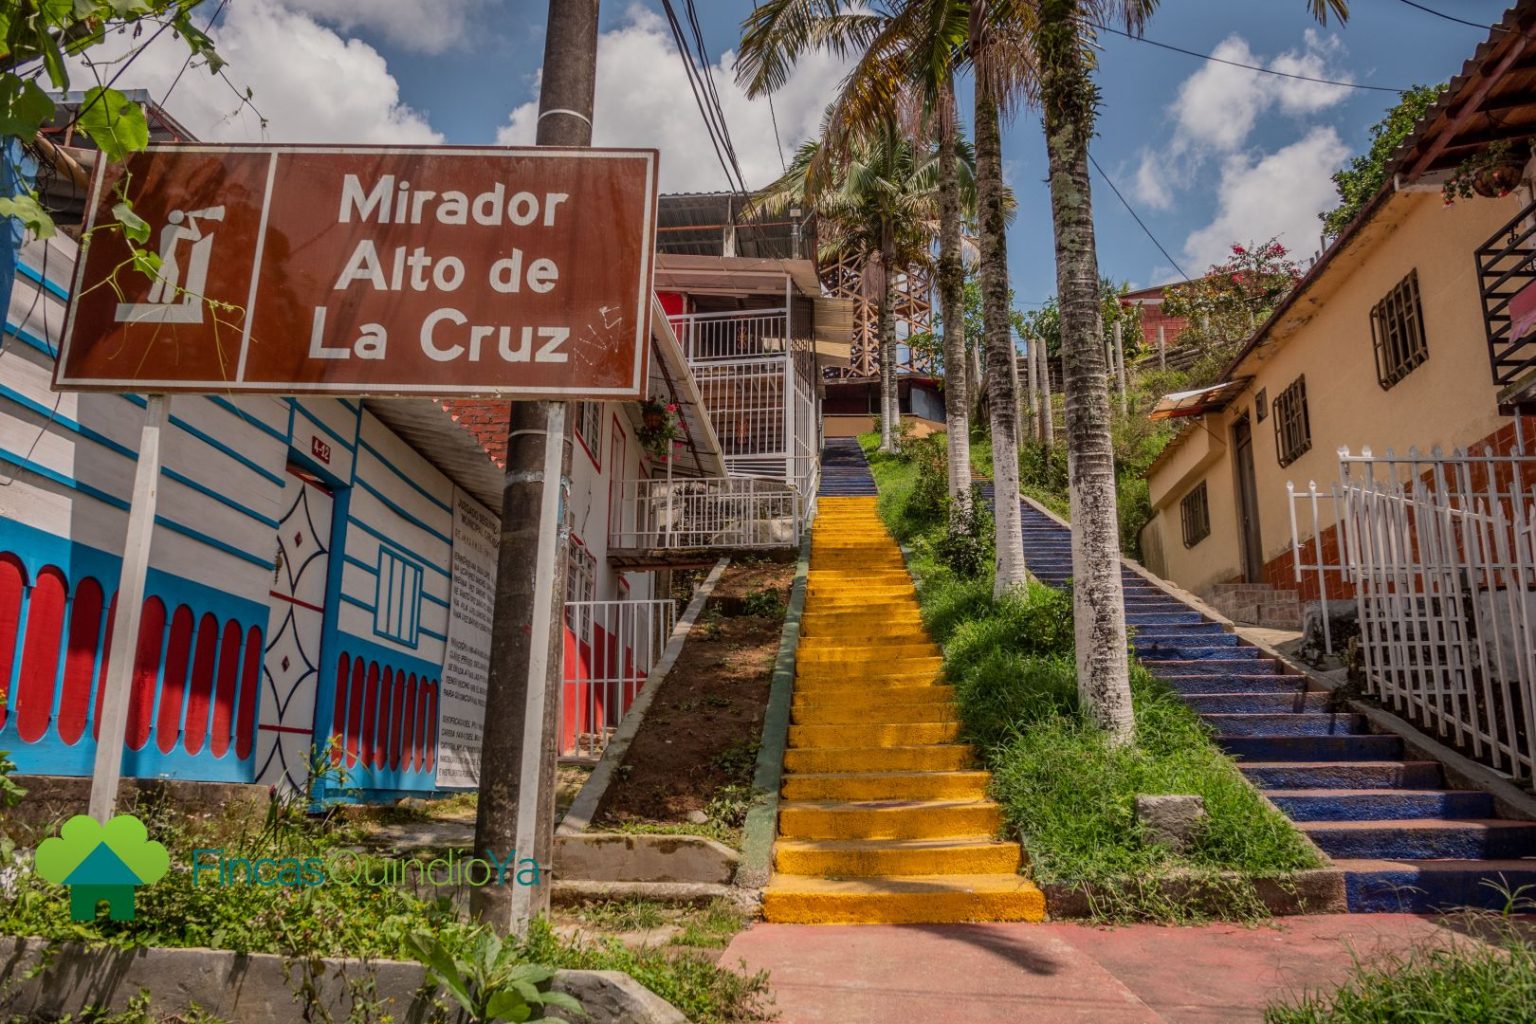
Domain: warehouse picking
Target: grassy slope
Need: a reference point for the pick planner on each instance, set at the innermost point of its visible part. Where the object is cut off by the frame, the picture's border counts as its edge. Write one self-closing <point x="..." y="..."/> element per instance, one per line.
<point x="1062" y="788"/>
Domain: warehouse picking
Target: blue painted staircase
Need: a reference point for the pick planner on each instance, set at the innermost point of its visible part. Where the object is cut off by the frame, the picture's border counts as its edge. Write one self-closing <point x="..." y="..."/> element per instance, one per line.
<point x="1403" y="840"/>
<point x="844" y="470"/>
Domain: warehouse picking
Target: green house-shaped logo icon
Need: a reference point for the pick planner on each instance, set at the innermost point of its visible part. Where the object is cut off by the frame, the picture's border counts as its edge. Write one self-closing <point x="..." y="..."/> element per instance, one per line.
<point x="102" y="862"/>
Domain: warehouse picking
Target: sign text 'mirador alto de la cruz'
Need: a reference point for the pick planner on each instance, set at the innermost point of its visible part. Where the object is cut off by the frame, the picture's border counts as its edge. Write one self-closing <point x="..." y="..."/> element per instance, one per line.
<point x="522" y="273"/>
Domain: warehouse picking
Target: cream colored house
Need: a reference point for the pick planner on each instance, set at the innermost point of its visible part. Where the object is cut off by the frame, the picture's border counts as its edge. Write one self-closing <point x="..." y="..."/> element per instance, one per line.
<point x="1384" y="344"/>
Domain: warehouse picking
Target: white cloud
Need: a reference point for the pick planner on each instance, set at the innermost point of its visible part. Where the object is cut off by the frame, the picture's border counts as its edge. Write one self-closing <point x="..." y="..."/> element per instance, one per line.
<point x="424" y="26"/>
<point x="311" y="84"/>
<point x="1278" y="195"/>
<point x="1219" y="106"/>
<point x="643" y="99"/>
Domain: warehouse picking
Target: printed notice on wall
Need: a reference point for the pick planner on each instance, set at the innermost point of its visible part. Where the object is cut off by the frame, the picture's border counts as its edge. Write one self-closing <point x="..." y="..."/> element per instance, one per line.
<point x="466" y="662"/>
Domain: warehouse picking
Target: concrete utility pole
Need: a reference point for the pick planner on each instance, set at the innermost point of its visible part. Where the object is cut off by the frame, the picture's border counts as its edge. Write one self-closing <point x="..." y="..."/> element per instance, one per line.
<point x="518" y="752"/>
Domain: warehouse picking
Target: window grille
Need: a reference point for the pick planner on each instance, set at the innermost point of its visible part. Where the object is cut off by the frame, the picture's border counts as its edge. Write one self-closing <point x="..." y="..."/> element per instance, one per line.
<point x="1195" y="510"/>
<point x="1397" y="332"/>
<point x="1293" y="424"/>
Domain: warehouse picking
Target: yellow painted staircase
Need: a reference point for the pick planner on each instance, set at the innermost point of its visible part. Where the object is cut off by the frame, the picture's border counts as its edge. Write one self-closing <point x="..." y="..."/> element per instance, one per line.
<point x="883" y="817"/>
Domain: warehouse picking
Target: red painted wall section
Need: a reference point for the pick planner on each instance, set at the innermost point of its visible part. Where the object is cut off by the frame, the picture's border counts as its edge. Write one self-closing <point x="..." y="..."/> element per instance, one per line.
<point x="173" y="692"/>
<point x="226" y="690"/>
<point x="250" y="683"/>
<point x="146" y="672"/>
<point x="80" y="660"/>
<point x="40" y="654"/>
<point x="205" y="654"/>
<point x="13" y="582"/>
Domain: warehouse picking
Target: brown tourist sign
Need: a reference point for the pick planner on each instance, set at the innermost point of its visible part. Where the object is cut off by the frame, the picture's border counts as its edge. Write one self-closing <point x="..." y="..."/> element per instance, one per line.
<point x="520" y="273"/>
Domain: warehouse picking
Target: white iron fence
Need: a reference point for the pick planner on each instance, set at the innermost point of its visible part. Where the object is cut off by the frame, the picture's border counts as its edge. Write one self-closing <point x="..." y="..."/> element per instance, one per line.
<point x="705" y="512"/>
<point x="610" y="649"/>
<point x="731" y="335"/>
<point x="1438" y="554"/>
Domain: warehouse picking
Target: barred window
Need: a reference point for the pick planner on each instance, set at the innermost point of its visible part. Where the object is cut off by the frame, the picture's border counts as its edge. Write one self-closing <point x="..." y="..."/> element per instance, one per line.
<point x="588" y="417"/>
<point x="1293" y="424"/>
<point x="1195" y="510"/>
<point x="1397" y="332"/>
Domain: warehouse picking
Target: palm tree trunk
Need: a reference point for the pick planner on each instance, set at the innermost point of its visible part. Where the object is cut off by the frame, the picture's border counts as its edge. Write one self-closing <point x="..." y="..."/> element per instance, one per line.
<point x="1002" y="401"/>
<point x="890" y="409"/>
<point x="1070" y="98"/>
<point x="957" y="413"/>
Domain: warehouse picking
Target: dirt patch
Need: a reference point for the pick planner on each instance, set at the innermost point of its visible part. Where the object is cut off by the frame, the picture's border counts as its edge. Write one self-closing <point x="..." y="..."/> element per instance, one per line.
<point x="690" y="766"/>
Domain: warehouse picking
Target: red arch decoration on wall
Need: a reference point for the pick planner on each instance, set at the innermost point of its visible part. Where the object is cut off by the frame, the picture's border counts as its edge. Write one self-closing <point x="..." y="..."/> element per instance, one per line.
<point x="13" y="585"/>
<point x="80" y="660"/>
<point x="226" y="690"/>
<point x="173" y="690"/>
<point x="146" y="672"/>
<point x="205" y="655"/>
<point x="250" y="689"/>
<point x="40" y="654"/>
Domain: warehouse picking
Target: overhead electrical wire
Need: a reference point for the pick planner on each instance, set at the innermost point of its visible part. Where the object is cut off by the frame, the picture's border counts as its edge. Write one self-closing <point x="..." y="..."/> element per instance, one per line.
<point x="1137" y="218"/>
<point x="1452" y="17"/>
<point x="1250" y="67"/>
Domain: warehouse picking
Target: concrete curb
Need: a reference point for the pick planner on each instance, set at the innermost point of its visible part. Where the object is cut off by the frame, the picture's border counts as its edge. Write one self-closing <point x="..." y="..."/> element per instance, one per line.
<point x="762" y="823"/>
<point x="579" y="815"/>
<point x="1316" y="891"/>
<point x="567" y="893"/>
<point x="47" y="981"/>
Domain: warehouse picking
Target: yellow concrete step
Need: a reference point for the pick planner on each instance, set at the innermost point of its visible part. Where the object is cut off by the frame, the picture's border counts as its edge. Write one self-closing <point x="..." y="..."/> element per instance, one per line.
<point x="923" y="899"/>
<point x="831" y="676"/>
<point x="899" y="819"/>
<point x="952" y="785"/>
<point x="873" y="734"/>
<point x="827" y="651"/>
<point x="816" y="650"/>
<point x="867" y="669"/>
<point x="931" y="757"/>
<point x="864" y="858"/>
<point x="866" y="700"/>
<point x="854" y="714"/>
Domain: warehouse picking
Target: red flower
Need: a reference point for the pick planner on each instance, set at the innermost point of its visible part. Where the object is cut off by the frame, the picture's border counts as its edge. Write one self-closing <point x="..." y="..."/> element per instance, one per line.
<point x="671" y="407"/>
<point x="1238" y="250"/>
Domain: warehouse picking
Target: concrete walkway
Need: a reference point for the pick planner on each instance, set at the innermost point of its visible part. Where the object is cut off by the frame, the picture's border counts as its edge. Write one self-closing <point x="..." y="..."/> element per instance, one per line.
<point x="1059" y="973"/>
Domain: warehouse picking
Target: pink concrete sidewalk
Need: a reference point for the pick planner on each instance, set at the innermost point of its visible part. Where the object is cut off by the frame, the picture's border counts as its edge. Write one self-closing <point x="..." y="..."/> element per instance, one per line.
<point x="1058" y="973"/>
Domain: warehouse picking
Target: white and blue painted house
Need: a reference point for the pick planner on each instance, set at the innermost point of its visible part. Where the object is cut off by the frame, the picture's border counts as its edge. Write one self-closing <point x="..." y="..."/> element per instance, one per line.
<point x="306" y="561"/>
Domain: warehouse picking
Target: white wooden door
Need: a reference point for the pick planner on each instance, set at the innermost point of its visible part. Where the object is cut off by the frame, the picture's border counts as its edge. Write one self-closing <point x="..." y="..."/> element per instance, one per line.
<point x="295" y="623"/>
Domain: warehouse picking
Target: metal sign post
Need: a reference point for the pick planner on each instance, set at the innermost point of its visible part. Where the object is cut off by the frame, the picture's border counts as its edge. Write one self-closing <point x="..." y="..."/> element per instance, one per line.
<point x="112" y="726"/>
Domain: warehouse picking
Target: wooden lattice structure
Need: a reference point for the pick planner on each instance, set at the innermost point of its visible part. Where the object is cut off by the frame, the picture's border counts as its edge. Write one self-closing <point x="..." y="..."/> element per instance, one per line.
<point x="844" y="278"/>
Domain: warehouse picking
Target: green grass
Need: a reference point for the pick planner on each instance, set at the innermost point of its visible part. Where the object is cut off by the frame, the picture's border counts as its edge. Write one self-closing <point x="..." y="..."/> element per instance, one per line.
<point x="1062" y="788"/>
<point x="1464" y="983"/>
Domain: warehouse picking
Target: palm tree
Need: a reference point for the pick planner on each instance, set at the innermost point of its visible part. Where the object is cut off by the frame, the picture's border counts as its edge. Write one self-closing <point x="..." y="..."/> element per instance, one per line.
<point x="1063" y="58"/>
<point x="999" y="78"/>
<point x="908" y="54"/>
<point x="878" y="204"/>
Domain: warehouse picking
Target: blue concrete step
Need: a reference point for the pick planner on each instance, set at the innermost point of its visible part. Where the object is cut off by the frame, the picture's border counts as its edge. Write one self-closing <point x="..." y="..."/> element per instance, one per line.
<point x="1422" y="887"/>
<point x="1191" y="684"/>
<point x="1286" y="724"/>
<point x="1313" y="748"/>
<point x="1202" y="630"/>
<point x="1384" y="775"/>
<point x="1193" y="652"/>
<point x="1164" y="619"/>
<point x="1219" y="667"/>
<point x="1257" y="703"/>
<point x="1423" y="839"/>
<point x="1381" y="804"/>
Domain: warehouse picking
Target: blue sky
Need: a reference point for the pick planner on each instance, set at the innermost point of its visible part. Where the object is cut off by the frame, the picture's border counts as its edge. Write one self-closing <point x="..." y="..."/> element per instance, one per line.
<point x="1208" y="154"/>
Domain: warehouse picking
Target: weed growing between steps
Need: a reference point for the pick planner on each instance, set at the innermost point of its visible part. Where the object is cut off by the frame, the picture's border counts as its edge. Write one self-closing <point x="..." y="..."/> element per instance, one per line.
<point x="1488" y="982"/>
<point x="1062" y="788"/>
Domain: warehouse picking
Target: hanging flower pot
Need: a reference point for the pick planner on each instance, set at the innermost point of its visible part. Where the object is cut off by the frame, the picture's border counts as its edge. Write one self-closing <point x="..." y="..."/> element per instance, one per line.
<point x="660" y="428"/>
<point x="1493" y="172"/>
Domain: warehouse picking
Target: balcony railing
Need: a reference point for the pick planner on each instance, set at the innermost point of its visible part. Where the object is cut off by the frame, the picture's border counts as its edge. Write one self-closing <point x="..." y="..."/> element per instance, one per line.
<point x="708" y="512"/>
<point x="1506" y="275"/>
<point x="735" y="334"/>
<point x="611" y="647"/>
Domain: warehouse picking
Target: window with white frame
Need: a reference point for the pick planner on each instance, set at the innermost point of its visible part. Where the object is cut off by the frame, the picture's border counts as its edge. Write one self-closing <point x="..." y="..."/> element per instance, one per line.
<point x="588" y="420"/>
<point x="580" y="585"/>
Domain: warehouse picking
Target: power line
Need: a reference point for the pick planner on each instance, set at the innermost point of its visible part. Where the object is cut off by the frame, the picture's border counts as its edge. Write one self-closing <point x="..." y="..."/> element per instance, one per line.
<point x="773" y="116"/>
<point x="190" y="54"/>
<point x="1137" y="217"/>
<point x="1452" y="17"/>
<point x="1250" y="67"/>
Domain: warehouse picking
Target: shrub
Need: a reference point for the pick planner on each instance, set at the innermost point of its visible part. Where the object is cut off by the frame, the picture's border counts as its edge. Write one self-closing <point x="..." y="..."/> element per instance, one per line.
<point x="948" y="601"/>
<point x="967" y="544"/>
<point x="1036" y="621"/>
<point x="1004" y="692"/>
<point x="929" y="497"/>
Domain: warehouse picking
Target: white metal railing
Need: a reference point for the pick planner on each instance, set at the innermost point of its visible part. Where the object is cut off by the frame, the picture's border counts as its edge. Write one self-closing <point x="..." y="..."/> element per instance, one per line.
<point x="703" y="512"/>
<point x="610" y="649"/>
<point x="736" y="334"/>
<point x="1438" y="554"/>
